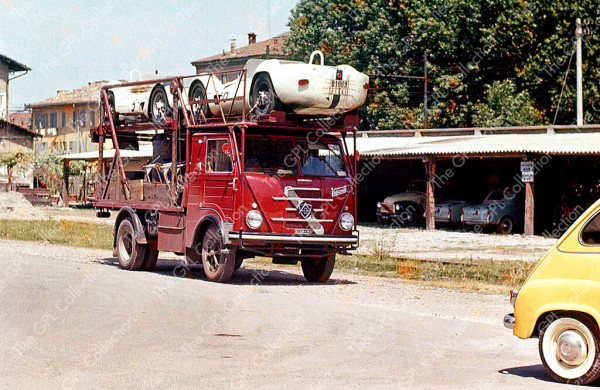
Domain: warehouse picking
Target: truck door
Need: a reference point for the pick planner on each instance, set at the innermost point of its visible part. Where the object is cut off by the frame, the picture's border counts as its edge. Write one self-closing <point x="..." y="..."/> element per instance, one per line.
<point x="220" y="180"/>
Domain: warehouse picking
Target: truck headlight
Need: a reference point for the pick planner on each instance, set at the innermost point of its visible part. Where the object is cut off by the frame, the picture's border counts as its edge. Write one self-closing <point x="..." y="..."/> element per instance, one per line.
<point x="346" y="221"/>
<point x="254" y="219"/>
<point x="398" y="208"/>
<point x="378" y="205"/>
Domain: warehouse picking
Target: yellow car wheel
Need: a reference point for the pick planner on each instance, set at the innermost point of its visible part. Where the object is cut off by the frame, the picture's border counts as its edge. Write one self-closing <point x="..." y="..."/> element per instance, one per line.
<point x="569" y="349"/>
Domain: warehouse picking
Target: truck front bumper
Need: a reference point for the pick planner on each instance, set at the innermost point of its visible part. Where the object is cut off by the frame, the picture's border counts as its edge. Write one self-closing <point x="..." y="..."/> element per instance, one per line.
<point x="335" y="240"/>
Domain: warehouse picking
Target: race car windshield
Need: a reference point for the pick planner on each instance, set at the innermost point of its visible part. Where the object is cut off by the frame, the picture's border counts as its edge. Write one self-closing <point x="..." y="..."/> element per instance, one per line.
<point x="320" y="159"/>
<point x="270" y="157"/>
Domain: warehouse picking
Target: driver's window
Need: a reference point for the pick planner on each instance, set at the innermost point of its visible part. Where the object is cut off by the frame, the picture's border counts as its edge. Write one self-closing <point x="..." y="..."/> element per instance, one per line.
<point x="218" y="156"/>
<point x="590" y="234"/>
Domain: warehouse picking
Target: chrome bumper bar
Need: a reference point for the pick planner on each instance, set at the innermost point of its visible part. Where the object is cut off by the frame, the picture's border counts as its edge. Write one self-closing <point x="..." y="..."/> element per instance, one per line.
<point x="509" y="321"/>
<point x="290" y="239"/>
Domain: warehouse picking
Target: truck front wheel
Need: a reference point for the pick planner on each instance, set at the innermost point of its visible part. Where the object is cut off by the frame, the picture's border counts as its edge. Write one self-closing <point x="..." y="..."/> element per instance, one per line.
<point x="218" y="263"/>
<point x="129" y="252"/>
<point x="318" y="270"/>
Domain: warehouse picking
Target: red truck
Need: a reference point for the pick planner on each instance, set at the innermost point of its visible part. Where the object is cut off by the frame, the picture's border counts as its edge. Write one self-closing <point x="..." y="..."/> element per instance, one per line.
<point x="274" y="185"/>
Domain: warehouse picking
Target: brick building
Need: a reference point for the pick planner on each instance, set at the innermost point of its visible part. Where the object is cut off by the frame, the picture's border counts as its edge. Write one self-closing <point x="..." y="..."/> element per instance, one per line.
<point x="236" y="58"/>
<point x="64" y="120"/>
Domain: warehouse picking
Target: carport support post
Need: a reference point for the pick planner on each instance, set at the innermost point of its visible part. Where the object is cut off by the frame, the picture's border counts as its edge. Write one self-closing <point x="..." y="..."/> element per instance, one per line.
<point x="529" y="207"/>
<point x="429" y="193"/>
<point x="65" y="186"/>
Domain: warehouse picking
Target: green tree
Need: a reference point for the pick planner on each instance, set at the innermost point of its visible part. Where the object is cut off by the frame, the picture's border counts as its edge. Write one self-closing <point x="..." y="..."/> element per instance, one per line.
<point x="505" y="107"/>
<point x="471" y="45"/>
<point x="19" y="159"/>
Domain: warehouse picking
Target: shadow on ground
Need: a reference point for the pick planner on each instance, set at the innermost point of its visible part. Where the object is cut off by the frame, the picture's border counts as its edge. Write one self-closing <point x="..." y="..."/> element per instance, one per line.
<point x="536" y="371"/>
<point x="241" y="277"/>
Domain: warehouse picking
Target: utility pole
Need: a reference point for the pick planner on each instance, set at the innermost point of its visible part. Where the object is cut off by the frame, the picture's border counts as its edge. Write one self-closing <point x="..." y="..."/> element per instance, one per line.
<point x="425" y="126"/>
<point x="579" y="76"/>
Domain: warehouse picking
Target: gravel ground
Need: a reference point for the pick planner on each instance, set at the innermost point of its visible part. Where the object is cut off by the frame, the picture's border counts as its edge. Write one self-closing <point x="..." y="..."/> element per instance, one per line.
<point x="13" y="205"/>
<point x="451" y="246"/>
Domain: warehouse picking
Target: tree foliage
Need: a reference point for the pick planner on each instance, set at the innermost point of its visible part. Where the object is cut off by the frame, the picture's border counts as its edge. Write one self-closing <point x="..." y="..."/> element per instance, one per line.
<point x="505" y="57"/>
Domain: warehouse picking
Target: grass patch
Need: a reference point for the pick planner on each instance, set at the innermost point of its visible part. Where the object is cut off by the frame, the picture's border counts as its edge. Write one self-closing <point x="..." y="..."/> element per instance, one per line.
<point x="468" y="274"/>
<point x="78" y="234"/>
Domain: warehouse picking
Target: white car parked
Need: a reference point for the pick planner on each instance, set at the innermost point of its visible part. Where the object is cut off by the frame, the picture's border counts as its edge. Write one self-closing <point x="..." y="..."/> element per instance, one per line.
<point x="303" y="89"/>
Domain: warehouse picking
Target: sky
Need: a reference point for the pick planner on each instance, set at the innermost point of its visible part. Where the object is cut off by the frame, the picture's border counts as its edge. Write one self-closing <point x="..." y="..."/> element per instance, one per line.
<point x="70" y="43"/>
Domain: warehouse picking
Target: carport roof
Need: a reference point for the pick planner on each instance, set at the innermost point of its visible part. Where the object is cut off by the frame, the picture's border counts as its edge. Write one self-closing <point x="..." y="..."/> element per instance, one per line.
<point x="480" y="145"/>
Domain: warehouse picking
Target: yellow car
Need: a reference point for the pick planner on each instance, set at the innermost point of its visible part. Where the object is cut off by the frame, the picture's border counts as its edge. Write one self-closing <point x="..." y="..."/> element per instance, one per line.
<point x="560" y="303"/>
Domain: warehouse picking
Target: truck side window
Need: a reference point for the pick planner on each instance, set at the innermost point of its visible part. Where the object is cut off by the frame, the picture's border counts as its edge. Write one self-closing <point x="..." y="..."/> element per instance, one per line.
<point x="590" y="234"/>
<point x="218" y="156"/>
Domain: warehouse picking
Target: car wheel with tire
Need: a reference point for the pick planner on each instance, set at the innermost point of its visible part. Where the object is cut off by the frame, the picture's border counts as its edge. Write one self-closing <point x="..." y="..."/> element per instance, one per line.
<point x="198" y="92"/>
<point x="318" y="270"/>
<point x="506" y="225"/>
<point x="129" y="253"/>
<point x="263" y="98"/>
<point x="218" y="263"/>
<point x="158" y="106"/>
<point x="570" y="350"/>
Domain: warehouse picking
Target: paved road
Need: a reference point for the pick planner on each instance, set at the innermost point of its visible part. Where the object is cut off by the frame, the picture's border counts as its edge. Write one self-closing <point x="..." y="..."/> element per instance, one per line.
<point x="70" y="318"/>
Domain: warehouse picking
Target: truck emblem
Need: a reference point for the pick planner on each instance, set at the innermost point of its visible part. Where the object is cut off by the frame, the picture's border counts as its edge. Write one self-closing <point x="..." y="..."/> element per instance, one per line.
<point x="339" y="191"/>
<point x="305" y="210"/>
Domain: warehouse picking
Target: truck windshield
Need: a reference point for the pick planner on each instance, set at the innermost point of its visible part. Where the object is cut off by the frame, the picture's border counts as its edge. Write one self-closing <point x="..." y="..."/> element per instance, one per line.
<point x="271" y="157"/>
<point x="320" y="159"/>
<point x="284" y="157"/>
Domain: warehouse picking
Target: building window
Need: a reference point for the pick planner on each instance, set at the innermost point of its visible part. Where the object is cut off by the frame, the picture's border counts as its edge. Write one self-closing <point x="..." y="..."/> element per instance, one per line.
<point x="82" y="123"/>
<point x="92" y="118"/>
<point x="53" y="120"/>
<point x="72" y="146"/>
<point x="64" y="119"/>
<point x="74" y="118"/>
<point x="41" y="121"/>
<point x="82" y="147"/>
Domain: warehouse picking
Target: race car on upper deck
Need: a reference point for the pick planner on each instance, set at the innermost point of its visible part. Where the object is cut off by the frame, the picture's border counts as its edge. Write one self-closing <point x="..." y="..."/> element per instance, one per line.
<point x="304" y="89"/>
<point x="296" y="87"/>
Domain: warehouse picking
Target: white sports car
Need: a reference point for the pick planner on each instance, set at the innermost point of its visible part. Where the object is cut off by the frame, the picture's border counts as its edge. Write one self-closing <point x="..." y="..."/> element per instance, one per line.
<point x="154" y="101"/>
<point x="304" y="89"/>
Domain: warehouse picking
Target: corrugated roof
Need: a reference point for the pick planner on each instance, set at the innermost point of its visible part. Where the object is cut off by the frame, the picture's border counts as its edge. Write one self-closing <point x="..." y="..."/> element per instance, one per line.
<point x="256" y="49"/>
<point x="574" y="143"/>
<point x="144" y="152"/>
<point x="87" y="94"/>
<point x="13" y="66"/>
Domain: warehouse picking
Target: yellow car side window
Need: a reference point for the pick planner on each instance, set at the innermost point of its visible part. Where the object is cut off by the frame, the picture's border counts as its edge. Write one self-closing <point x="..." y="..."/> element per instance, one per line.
<point x="590" y="234"/>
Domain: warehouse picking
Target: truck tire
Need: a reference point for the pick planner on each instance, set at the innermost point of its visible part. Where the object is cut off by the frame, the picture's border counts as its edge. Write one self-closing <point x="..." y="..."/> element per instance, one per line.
<point x="151" y="256"/>
<point x="129" y="253"/>
<point x="218" y="265"/>
<point x="318" y="270"/>
<point x="198" y="92"/>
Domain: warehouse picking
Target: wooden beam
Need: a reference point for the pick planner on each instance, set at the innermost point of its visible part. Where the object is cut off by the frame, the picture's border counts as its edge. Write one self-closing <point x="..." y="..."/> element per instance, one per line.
<point x="65" y="186"/>
<point x="430" y="193"/>
<point x="529" y="209"/>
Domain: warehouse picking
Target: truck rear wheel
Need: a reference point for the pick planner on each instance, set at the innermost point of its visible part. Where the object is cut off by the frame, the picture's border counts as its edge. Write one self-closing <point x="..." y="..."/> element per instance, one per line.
<point x="318" y="270"/>
<point x="129" y="253"/>
<point x="218" y="264"/>
<point x="151" y="256"/>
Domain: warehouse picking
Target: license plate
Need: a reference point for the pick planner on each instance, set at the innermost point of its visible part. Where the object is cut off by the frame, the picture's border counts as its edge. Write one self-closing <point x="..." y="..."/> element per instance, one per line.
<point x="339" y="87"/>
<point x="303" y="231"/>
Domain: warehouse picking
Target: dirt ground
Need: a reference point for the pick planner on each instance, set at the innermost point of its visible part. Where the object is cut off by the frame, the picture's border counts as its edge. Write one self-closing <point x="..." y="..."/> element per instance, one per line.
<point x="451" y="245"/>
<point x="70" y="318"/>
